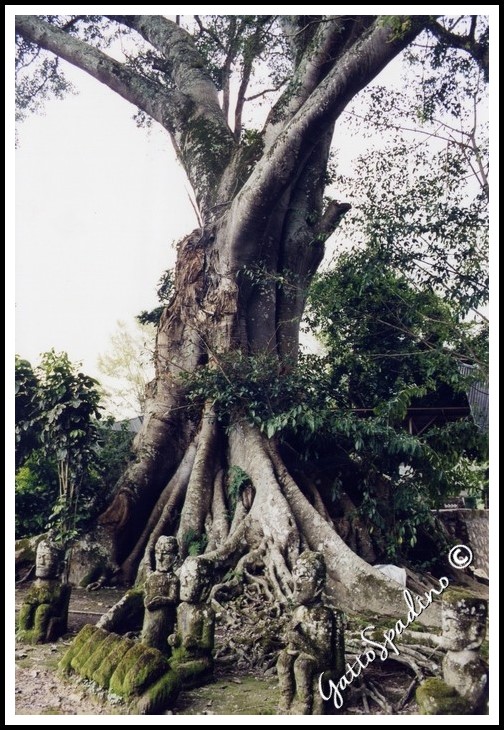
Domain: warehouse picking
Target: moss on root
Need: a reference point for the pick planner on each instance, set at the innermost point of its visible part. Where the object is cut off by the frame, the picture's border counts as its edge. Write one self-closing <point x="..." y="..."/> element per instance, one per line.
<point x="86" y="650"/>
<point x="101" y="650"/>
<point x="435" y="697"/>
<point x="139" y="667"/>
<point x="118" y="649"/>
<point x="160" y="696"/>
<point x="82" y="637"/>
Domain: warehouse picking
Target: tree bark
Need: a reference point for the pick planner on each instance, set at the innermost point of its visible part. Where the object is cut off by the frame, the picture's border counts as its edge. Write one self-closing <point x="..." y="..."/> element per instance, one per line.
<point x="264" y="213"/>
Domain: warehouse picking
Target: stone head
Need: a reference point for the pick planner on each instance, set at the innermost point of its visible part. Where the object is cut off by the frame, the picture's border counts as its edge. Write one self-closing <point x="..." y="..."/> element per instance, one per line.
<point x="464" y="620"/>
<point x="166" y="552"/>
<point x="309" y="577"/>
<point x="47" y="560"/>
<point x="195" y="579"/>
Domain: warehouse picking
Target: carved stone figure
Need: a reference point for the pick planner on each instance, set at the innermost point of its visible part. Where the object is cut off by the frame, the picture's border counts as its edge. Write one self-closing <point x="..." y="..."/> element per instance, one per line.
<point x="161" y="596"/>
<point x="463" y="689"/>
<point x="44" y="613"/>
<point x="464" y="629"/>
<point x="193" y="641"/>
<point x="315" y="640"/>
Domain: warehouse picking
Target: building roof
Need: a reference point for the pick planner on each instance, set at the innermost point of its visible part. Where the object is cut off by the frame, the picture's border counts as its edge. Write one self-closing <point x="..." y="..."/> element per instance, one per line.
<point x="477" y="396"/>
<point x="133" y="425"/>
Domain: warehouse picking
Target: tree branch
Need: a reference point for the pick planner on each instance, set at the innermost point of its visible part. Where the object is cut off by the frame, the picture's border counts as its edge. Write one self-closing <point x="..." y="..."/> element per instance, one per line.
<point x="203" y="141"/>
<point x="295" y="139"/>
<point x="158" y="103"/>
<point x="186" y="67"/>
<point x="306" y="77"/>
<point x="331" y="218"/>
<point x="477" y="49"/>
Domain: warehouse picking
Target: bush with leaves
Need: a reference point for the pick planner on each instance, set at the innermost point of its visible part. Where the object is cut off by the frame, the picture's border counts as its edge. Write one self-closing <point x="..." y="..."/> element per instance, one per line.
<point x="36" y="487"/>
<point x="389" y="346"/>
<point x="58" y="408"/>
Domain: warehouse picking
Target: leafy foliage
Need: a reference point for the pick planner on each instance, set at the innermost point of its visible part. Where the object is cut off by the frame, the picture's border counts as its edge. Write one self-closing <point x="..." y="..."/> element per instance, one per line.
<point x="164" y="294"/>
<point x="238" y="479"/>
<point x="195" y="542"/>
<point x="421" y="203"/>
<point x="36" y="487"/>
<point x="38" y="78"/>
<point x="129" y="363"/>
<point x="26" y="410"/>
<point x="114" y="454"/>
<point x="61" y="417"/>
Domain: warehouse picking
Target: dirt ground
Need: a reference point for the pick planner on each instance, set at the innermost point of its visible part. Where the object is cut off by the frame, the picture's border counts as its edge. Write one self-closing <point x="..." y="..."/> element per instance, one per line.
<point x="40" y="691"/>
<point x="235" y="691"/>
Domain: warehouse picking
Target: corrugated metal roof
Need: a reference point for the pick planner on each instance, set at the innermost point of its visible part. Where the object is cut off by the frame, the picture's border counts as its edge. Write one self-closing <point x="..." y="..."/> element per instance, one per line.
<point x="133" y="424"/>
<point x="477" y="395"/>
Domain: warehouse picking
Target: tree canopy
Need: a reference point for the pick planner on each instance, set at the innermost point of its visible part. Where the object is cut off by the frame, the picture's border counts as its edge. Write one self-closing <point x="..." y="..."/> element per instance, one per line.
<point x="229" y="384"/>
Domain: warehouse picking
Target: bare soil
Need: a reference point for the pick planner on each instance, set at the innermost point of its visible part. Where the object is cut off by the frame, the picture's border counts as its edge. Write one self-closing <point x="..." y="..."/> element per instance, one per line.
<point x="236" y="690"/>
<point x="40" y="691"/>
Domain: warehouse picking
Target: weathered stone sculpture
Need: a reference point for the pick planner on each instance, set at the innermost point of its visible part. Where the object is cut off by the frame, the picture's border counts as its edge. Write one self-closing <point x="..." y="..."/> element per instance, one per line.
<point x="463" y="688"/>
<point x="44" y="614"/>
<point x="464" y="630"/>
<point x="138" y="674"/>
<point x="193" y="641"/>
<point x="315" y="641"/>
<point x="161" y="596"/>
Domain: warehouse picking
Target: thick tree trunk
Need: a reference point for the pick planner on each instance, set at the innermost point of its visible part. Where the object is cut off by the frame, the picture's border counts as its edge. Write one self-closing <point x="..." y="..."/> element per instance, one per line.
<point x="179" y="482"/>
<point x="240" y="287"/>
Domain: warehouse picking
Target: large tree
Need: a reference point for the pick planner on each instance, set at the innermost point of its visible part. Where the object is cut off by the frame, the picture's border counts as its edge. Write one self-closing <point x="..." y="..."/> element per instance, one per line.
<point x="241" y="277"/>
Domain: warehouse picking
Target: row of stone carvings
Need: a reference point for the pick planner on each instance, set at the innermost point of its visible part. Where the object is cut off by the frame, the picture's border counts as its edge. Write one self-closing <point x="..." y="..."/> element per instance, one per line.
<point x="177" y="639"/>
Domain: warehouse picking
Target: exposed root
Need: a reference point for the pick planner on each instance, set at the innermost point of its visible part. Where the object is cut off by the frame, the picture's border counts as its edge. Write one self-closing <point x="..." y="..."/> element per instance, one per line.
<point x="407" y="696"/>
<point x="278" y="574"/>
<point x="27" y="576"/>
<point x="219" y="525"/>
<point x="379" y="698"/>
<point x="198" y="496"/>
<point x="161" y="515"/>
<point x="249" y="627"/>
<point x="252" y="561"/>
<point x="422" y="583"/>
<point x="314" y="493"/>
<point x="424" y="639"/>
<point x="352" y="583"/>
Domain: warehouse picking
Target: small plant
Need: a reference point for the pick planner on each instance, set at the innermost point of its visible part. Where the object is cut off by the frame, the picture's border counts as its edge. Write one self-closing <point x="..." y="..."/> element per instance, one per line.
<point x="195" y="542"/>
<point x="59" y="408"/>
<point x="238" y="479"/>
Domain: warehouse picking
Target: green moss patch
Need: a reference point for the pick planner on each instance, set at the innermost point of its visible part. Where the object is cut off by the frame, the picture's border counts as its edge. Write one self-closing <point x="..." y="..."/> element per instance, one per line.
<point x="86" y="649"/>
<point x="139" y="667"/>
<point x="455" y="595"/>
<point x="117" y="648"/>
<point x="160" y="696"/>
<point x="434" y="697"/>
<point x="82" y="638"/>
<point x="99" y="651"/>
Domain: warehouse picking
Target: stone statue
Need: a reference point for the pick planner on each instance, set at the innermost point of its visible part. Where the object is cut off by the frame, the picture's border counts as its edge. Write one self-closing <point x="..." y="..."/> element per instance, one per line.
<point x="193" y="641"/>
<point x="315" y="640"/>
<point x="44" y="613"/>
<point x="463" y="688"/>
<point x="464" y="620"/>
<point x="161" y="596"/>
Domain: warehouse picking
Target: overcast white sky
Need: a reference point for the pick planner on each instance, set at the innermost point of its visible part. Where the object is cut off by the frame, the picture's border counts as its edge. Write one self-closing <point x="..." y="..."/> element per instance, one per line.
<point x="98" y="206"/>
